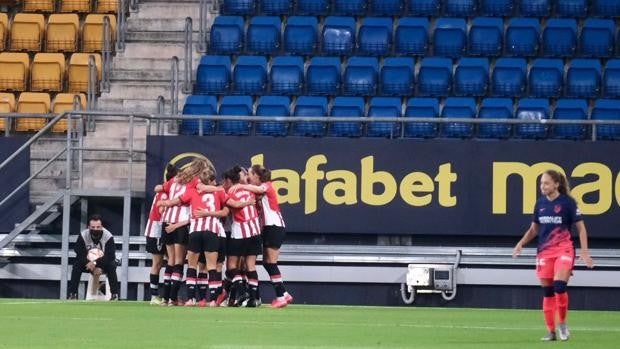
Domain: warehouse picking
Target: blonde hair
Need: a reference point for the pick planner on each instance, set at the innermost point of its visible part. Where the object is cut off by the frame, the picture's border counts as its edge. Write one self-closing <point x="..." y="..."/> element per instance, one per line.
<point x="195" y="168"/>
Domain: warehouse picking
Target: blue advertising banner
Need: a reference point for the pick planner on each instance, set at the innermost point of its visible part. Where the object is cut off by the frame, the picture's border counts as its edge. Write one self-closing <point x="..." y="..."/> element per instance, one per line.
<point x="407" y="186"/>
<point x="17" y="208"/>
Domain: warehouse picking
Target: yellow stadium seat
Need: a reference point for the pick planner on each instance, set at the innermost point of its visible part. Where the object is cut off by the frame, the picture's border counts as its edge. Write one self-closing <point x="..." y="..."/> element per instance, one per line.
<point x="47" y="72"/>
<point x="14" y="69"/>
<point x="4" y="29"/>
<point x="32" y="103"/>
<point x="64" y="102"/>
<point x="80" y="6"/>
<point x="39" y="5"/>
<point x="7" y="105"/>
<point x="92" y="32"/>
<point x="27" y="32"/>
<point x="107" y="6"/>
<point x="78" y="71"/>
<point x="62" y="32"/>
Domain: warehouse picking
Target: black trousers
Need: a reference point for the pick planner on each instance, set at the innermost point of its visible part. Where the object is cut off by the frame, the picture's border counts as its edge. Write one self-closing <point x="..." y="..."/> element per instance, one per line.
<point x="79" y="268"/>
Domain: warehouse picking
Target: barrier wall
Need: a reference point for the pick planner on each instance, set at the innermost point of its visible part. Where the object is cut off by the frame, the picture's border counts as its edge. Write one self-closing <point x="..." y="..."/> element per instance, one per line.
<point x="408" y="186"/>
<point x="11" y="176"/>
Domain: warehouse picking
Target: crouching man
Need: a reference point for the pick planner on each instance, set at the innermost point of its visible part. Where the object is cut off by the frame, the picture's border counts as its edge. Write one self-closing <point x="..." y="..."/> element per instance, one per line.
<point x="96" y="254"/>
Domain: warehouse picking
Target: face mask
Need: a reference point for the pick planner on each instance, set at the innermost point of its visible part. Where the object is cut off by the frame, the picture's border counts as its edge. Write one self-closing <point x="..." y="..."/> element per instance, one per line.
<point x="96" y="234"/>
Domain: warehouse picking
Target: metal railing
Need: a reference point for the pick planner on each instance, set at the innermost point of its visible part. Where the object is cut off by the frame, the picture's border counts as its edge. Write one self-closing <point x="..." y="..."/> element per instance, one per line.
<point x="204" y="25"/>
<point x="188" y="71"/>
<point x="174" y="85"/>
<point x="106" y="55"/>
<point x="121" y="24"/>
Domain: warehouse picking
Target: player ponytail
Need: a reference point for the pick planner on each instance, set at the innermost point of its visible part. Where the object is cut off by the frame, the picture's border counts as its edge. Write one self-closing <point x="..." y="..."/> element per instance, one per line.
<point x="264" y="175"/>
<point x="560" y="178"/>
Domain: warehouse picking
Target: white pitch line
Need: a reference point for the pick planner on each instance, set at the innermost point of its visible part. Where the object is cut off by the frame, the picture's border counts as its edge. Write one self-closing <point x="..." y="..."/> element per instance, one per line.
<point x="25" y="317"/>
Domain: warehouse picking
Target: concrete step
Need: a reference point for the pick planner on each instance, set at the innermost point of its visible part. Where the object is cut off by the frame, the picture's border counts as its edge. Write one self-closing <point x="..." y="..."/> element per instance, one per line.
<point x="156" y="63"/>
<point x="151" y="50"/>
<point x="143" y="105"/>
<point x="158" y="24"/>
<point x="165" y="9"/>
<point x="162" y="36"/>
<point x="137" y="90"/>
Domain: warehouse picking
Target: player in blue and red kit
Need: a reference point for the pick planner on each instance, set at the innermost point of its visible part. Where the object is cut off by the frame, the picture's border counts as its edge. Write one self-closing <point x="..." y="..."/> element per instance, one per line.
<point x="554" y="215"/>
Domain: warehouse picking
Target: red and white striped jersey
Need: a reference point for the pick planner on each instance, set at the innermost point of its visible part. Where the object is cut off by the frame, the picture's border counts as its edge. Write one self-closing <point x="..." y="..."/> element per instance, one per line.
<point x="211" y="202"/>
<point x="180" y="213"/>
<point x="153" y="225"/>
<point x="269" y="206"/>
<point x="246" y="222"/>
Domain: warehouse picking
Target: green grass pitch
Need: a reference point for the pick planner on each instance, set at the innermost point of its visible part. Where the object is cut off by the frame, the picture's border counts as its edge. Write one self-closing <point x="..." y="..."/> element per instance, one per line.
<point x="80" y="324"/>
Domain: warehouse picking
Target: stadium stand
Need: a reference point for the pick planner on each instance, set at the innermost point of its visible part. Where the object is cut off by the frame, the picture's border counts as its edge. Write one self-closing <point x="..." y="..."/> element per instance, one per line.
<point x="63" y="102"/>
<point x="4" y="29"/>
<point x="411" y="36"/>
<point x="32" y="103"/>
<point x="14" y="71"/>
<point x="347" y="106"/>
<point x="27" y="32"/>
<point x="273" y="106"/>
<point x="62" y="33"/>
<point x="425" y="108"/>
<point x="199" y="105"/>
<point x="301" y="35"/>
<point x="78" y="71"/>
<point x="381" y="107"/>
<point x="310" y="106"/>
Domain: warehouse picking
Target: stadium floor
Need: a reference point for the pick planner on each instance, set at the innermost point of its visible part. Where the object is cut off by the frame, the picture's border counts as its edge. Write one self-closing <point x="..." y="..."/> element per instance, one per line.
<point x="80" y="324"/>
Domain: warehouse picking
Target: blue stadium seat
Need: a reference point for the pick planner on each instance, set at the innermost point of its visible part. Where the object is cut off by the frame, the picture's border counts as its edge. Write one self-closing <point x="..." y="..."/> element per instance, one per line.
<point x="460" y="8"/>
<point x="338" y="35"/>
<point x="310" y="106"/>
<point x="607" y="109"/>
<point x="597" y="38"/>
<point x="611" y="79"/>
<point x="572" y="8"/>
<point x="532" y="109"/>
<point x="560" y="37"/>
<point x="535" y="8"/>
<point x="287" y="75"/>
<point x="386" y="7"/>
<point x="350" y="7"/>
<point x="522" y="37"/>
<point x="486" y="36"/>
<point x="323" y="76"/>
<point x="546" y="77"/>
<point x="450" y="37"/>
<point x="435" y="77"/>
<point x="496" y="8"/>
<point x="272" y="106"/>
<point x="198" y="105"/>
<point x="250" y="75"/>
<point x="239" y="7"/>
<point x="360" y="76"/>
<point x="313" y="7"/>
<point x="384" y="107"/>
<point x="227" y="35"/>
<point x="235" y="106"/>
<point x="301" y="35"/>
<point x="495" y="108"/>
<point x="471" y="77"/>
<point x="458" y="107"/>
<point x="570" y="109"/>
<point x="411" y="37"/>
<point x="213" y="75"/>
<point x="263" y="36"/>
<point x="421" y="108"/>
<point x="425" y="8"/>
<point x="277" y="7"/>
<point x="375" y="36"/>
<point x="583" y="78"/>
<point x="397" y="76"/>
<point x="347" y="106"/>
<point x="509" y="76"/>
<point x="605" y="8"/>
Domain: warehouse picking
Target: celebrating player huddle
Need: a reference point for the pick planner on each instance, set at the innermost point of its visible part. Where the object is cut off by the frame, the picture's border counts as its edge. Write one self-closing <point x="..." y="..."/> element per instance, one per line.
<point x="189" y="214"/>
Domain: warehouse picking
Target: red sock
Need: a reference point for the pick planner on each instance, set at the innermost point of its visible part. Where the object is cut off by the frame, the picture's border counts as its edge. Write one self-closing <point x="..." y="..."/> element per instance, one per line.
<point x="562" y="304"/>
<point x="549" y="306"/>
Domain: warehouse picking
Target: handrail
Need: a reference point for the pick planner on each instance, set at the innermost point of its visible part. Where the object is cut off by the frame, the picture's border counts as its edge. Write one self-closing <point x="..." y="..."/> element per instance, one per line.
<point x="106" y="55"/>
<point x="174" y="85"/>
<point x="92" y="90"/>
<point x="161" y="106"/>
<point x="133" y="4"/>
<point x="187" y="78"/>
<point x="121" y="25"/>
<point x="203" y="27"/>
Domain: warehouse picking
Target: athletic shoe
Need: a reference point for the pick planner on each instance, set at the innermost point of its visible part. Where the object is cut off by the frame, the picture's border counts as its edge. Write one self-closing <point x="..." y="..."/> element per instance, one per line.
<point x="242" y="300"/>
<point x="164" y="302"/>
<point x="279" y="302"/>
<point x="221" y="297"/>
<point x="156" y="300"/>
<point x="212" y="304"/>
<point x="563" y="332"/>
<point x="288" y="298"/>
<point x="252" y="303"/>
<point x="549" y="337"/>
<point x="72" y="297"/>
<point x="202" y="303"/>
<point x="172" y="303"/>
<point x="114" y="297"/>
<point x="190" y="302"/>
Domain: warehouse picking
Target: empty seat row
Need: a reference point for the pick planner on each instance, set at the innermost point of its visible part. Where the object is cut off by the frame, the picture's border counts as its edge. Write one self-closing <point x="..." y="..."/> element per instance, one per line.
<point x="456" y="107"/>
<point x="47" y="72"/>
<point x="380" y="36"/>
<point x="29" y="32"/>
<point x="37" y="103"/>
<point x="457" y="8"/>
<point x="79" y="6"/>
<point x="363" y="76"/>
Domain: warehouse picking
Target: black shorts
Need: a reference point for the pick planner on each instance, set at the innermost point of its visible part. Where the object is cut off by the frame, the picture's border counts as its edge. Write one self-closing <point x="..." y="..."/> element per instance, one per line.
<point x="273" y="236"/>
<point x="203" y="241"/>
<point x="221" y="253"/>
<point x="179" y="236"/>
<point x="245" y="247"/>
<point x="155" y="245"/>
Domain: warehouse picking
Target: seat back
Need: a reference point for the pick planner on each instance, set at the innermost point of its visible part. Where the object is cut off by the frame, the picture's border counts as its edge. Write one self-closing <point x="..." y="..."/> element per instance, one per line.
<point x="92" y="32"/>
<point x="213" y="75"/>
<point x="235" y="106"/>
<point x="198" y="105"/>
<point x="386" y="7"/>
<point x="611" y="79"/>
<point x="397" y="76"/>
<point x="48" y="72"/>
<point x="301" y="35"/>
<point x="570" y="109"/>
<point x="450" y="37"/>
<point x="375" y="36"/>
<point x="597" y="38"/>
<point x="411" y="37"/>
<point x="560" y="37"/>
<point x="607" y="109"/>
<point x="532" y="109"/>
<point x="273" y="106"/>
<point x="277" y="7"/>
<point x="460" y="8"/>
<point x="486" y="36"/>
<point x="495" y="108"/>
<point x="39" y="5"/>
<point x="7" y="105"/>
<point x="426" y="8"/>
<point x="435" y="77"/>
<point x="583" y="78"/>
<point x="323" y="76"/>
<point x="535" y="8"/>
<point x="546" y="77"/>
<point x="62" y="32"/>
<point x="80" y="6"/>
<point x="343" y="107"/>
<point x="227" y="35"/>
<point x="65" y="102"/>
<point x="421" y="108"/>
<point x="572" y="8"/>
<point x="456" y="107"/>
<point x="338" y="35"/>
<point x="313" y="7"/>
<point x="384" y="107"/>
<point x="263" y="36"/>
<point x="497" y="8"/>
<point x="508" y="77"/>
<point x="350" y="7"/>
<point x="310" y="106"/>
<point x="14" y="71"/>
<point x="27" y="32"/>
<point x="78" y="71"/>
<point x="360" y="77"/>
<point x="522" y="37"/>
<point x="287" y="75"/>
<point x="32" y="103"/>
<point x="471" y="77"/>
<point x="4" y="29"/>
<point x="107" y="6"/>
<point x="250" y="75"/>
<point x="239" y="7"/>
